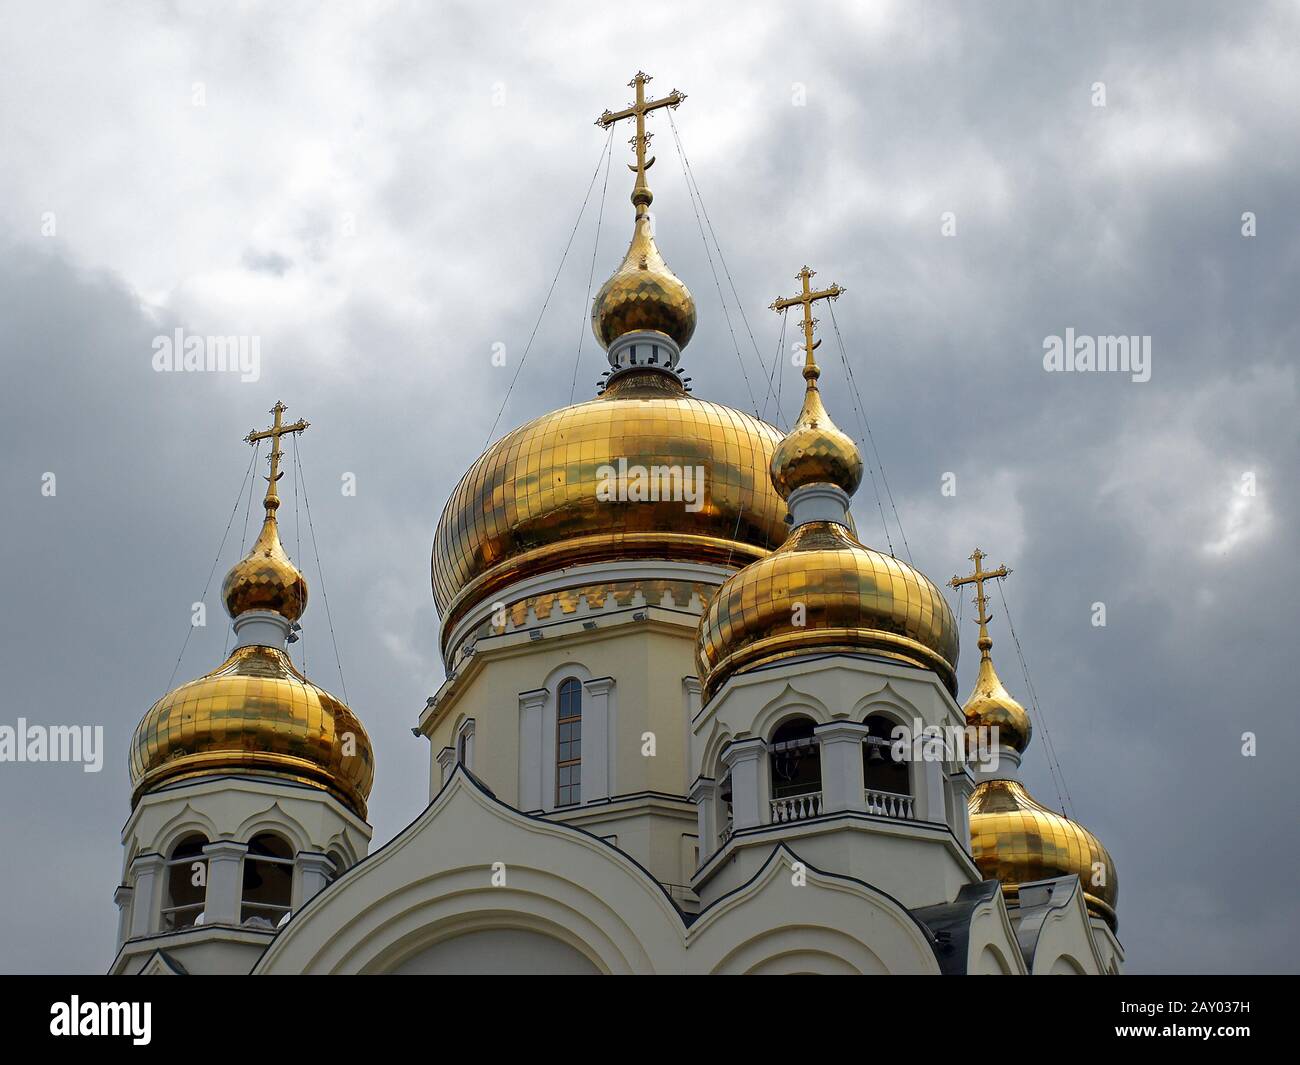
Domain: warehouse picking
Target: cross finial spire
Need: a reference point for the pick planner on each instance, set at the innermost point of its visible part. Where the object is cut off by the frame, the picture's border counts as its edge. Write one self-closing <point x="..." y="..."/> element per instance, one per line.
<point x="981" y="601"/>
<point x="277" y="430"/>
<point x="638" y="109"/>
<point x="806" y="299"/>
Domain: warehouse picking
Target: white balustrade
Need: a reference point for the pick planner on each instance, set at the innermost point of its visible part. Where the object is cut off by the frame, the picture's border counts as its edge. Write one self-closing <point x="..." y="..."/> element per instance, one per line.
<point x="796" y="807"/>
<point x="889" y="804"/>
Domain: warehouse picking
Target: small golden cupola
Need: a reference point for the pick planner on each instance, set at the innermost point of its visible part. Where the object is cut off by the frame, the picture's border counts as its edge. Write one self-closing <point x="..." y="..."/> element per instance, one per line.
<point x="256" y="714"/>
<point x="1014" y="838"/>
<point x="822" y="591"/>
<point x="644" y="301"/>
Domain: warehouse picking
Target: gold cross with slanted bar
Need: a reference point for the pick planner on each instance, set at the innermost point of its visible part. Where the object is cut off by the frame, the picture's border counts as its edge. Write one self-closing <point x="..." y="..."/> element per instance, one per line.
<point x="277" y="430"/>
<point x="641" y="194"/>
<point x="981" y="601"/>
<point x="807" y="298"/>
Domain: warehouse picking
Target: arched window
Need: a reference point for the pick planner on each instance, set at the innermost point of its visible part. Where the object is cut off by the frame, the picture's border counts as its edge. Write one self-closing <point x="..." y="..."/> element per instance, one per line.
<point x="268" y="881"/>
<point x="187" y="884"/>
<point x="340" y="865"/>
<point x="885" y="770"/>
<point x="796" y="771"/>
<point x="568" y="745"/>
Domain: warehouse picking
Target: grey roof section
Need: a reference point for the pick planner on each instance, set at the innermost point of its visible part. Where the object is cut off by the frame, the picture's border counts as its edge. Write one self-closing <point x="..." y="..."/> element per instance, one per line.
<point x="949" y="923"/>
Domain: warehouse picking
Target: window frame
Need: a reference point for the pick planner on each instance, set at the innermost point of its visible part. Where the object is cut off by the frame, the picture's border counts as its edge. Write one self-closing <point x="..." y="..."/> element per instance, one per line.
<point x="570" y="689"/>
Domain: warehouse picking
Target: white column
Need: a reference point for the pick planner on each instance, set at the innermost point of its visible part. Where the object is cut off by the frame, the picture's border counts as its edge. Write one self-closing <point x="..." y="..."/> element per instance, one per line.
<point x="748" y="789"/>
<point x="225" y="881"/>
<point x="531" y="705"/>
<point x="314" y="872"/>
<point x="446" y="763"/>
<point x="962" y="787"/>
<point x="467" y="741"/>
<point x="931" y="797"/>
<point x="843" y="782"/>
<point x="598" y="740"/>
<point x="122" y="896"/>
<point x="691" y="696"/>
<point x="147" y="871"/>
<point x="704" y="793"/>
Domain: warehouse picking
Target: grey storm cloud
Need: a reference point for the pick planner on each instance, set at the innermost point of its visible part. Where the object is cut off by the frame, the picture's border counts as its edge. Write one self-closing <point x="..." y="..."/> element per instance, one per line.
<point x="381" y="195"/>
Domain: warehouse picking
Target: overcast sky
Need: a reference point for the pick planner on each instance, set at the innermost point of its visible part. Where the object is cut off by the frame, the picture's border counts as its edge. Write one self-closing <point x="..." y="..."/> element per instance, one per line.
<point x="381" y="193"/>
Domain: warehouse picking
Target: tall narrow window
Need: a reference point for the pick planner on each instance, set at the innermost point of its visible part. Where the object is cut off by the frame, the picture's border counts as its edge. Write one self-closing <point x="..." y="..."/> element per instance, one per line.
<point x="186" y="884"/>
<point x="268" y="881"/>
<point x="568" y="747"/>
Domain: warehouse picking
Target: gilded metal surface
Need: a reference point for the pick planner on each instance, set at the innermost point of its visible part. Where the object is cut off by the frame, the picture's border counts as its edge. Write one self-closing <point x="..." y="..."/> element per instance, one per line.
<point x="529" y="503"/>
<point x="1016" y="840"/>
<point x="854" y="599"/>
<point x="254" y="714"/>
<point x="805" y="301"/>
<point x="265" y="579"/>
<point x="653" y="592"/>
<point x="643" y="294"/>
<point x="815" y="450"/>
<point x="991" y="706"/>
<point x="639" y="109"/>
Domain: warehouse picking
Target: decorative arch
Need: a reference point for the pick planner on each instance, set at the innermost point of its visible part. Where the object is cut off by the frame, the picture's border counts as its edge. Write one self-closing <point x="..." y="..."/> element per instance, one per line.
<point x="1066" y="965"/>
<point x="887" y="700"/>
<point x="991" y="962"/>
<point x="275" y="820"/>
<point x="568" y="669"/>
<point x="184" y="822"/>
<point x="808" y="919"/>
<point x="441" y="877"/>
<point x="790" y="703"/>
<point x="711" y="754"/>
<point x="343" y="845"/>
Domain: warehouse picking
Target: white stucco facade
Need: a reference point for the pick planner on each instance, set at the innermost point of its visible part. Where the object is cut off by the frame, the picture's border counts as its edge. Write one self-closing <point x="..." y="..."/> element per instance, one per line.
<point x="678" y="858"/>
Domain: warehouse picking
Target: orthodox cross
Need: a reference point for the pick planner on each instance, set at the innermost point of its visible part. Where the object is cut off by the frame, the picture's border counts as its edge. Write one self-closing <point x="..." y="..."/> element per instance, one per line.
<point x="641" y="194"/>
<point x="277" y="430"/>
<point x="978" y="578"/>
<point x="806" y="299"/>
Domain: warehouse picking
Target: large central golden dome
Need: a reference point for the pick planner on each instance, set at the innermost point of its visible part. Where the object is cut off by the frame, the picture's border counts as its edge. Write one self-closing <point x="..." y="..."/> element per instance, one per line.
<point x="533" y="504"/>
<point x="529" y="504"/>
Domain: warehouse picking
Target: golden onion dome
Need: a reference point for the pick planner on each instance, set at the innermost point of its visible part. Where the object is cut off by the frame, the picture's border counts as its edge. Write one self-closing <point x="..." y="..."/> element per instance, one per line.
<point x="531" y="503"/>
<point x="854" y="600"/>
<point x="1016" y="840"/>
<point x="643" y="294"/>
<point x="822" y="591"/>
<point x="265" y="579"/>
<point x="815" y="451"/>
<point x="991" y="706"/>
<point x="255" y="714"/>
